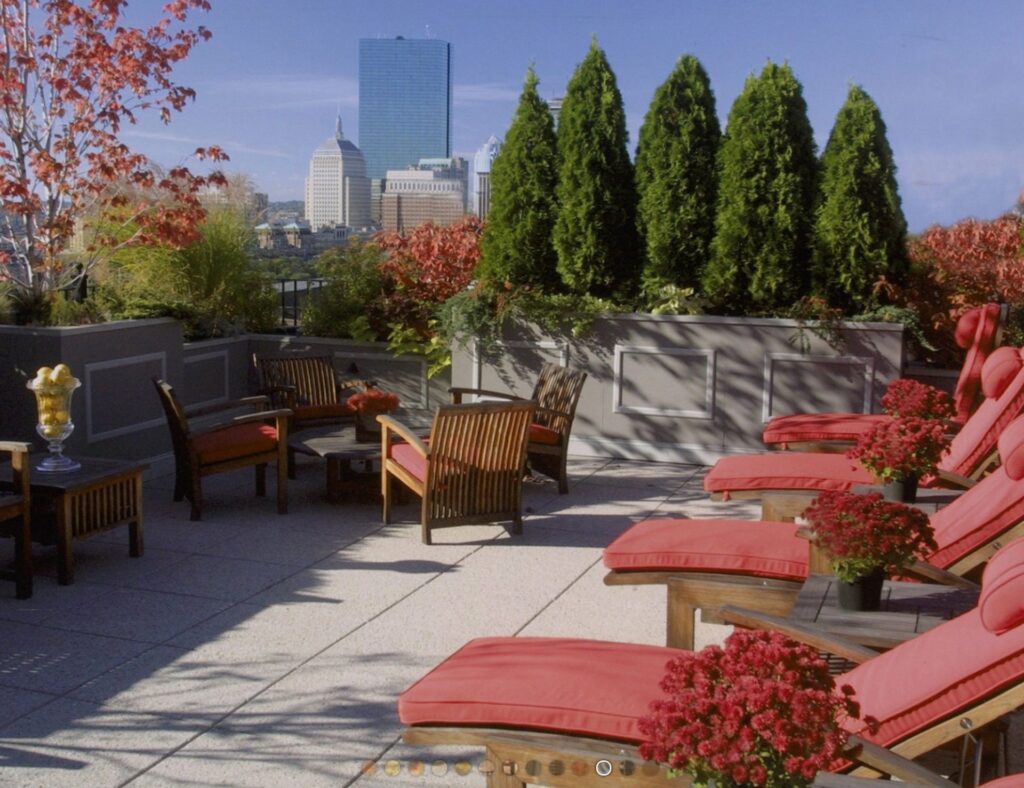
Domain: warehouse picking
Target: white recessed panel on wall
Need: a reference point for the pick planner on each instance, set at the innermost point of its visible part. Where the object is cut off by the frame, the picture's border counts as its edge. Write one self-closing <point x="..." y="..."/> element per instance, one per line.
<point x="664" y="381"/>
<point x="123" y="380"/>
<point x="529" y="358"/>
<point x="797" y="383"/>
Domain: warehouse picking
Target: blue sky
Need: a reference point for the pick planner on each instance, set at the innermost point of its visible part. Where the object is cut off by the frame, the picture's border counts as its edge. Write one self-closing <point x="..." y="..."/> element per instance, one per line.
<point x="948" y="76"/>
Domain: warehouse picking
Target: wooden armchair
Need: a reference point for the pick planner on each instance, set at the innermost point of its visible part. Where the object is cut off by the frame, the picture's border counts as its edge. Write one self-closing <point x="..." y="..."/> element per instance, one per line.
<point x="15" y="516"/>
<point x="470" y="471"/>
<point x="245" y="440"/>
<point x="306" y="385"/>
<point x="556" y="393"/>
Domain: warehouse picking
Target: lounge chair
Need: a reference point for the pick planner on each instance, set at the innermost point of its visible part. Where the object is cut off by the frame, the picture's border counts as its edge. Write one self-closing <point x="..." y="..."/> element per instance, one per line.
<point x="979" y="332"/>
<point x="15" y="515"/>
<point x="710" y="563"/>
<point x="542" y="699"/>
<point x="970" y="454"/>
<point x="557" y="392"/>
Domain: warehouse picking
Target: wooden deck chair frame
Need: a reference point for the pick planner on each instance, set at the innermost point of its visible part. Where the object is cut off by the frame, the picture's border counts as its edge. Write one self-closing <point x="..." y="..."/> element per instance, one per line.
<point x="189" y="470"/>
<point x="509" y="750"/>
<point x="474" y="465"/>
<point x="17" y="507"/>
<point x="557" y="394"/>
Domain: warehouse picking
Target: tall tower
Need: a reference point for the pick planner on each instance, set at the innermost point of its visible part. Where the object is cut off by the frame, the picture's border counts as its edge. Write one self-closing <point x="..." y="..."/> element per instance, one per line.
<point x="482" y="176"/>
<point x="337" y="189"/>
<point x="405" y="104"/>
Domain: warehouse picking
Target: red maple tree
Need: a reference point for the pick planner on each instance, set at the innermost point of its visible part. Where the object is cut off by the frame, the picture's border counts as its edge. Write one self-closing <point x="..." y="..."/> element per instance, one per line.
<point x="71" y="75"/>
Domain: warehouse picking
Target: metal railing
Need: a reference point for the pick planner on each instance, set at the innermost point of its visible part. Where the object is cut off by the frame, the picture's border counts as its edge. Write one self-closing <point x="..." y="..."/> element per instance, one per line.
<point x="293" y="294"/>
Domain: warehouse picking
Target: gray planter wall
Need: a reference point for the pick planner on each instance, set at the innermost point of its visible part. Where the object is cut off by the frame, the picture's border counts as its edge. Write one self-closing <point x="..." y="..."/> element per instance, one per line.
<point x="692" y="388"/>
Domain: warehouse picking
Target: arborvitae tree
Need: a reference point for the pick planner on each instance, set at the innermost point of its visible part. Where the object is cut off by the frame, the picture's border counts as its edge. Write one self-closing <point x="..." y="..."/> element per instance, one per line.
<point x="676" y="178"/>
<point x="595" y="232"/>
<point x="517" y="244"/>
<point x="860" y="231"/>
<point x="766" y="192"/>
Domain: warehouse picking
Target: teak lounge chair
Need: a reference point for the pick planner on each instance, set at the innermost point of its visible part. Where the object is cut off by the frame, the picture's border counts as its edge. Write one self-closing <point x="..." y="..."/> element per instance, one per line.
<point x="245" y="440"/>
<point x="541" y="699"/>
<point x="971" y="452"/>
<point x="978" y="331"/>
<point x="15" y="516"/>
<point x="469" y="472"/>
<point x="708" y="564"/>
<point x="557" y="394"/>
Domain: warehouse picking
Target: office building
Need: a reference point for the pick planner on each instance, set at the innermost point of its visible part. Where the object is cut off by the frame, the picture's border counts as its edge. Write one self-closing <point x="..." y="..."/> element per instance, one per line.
<point x="433" y="191"/>
<point x="405" y="104"/>
<point x="482" y="176"/>
<point x="337" y="189"/>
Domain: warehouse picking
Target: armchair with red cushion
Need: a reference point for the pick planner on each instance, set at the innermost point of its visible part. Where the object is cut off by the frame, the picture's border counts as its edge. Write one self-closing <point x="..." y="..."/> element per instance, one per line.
<point x="253" y="439"/>
<point x="15" y="515"/>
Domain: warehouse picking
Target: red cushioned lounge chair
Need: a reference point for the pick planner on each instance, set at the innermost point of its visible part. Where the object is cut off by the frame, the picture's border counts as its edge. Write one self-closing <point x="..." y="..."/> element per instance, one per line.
<point x="541" y="699"/>
<point x="979" y="332"/>
<point x="970" y="454"/>
<point x="708" y="564"/>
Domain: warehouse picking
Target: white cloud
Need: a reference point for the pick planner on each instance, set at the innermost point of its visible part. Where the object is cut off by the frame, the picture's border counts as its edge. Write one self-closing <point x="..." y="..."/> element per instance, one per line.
<point x="229" y="147"/>
<point x="484" y="93"/>
<point x="288" y="91"/>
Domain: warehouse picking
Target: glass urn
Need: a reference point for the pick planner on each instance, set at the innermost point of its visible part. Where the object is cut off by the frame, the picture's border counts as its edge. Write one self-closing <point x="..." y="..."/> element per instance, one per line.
<point x="54" y="390"/>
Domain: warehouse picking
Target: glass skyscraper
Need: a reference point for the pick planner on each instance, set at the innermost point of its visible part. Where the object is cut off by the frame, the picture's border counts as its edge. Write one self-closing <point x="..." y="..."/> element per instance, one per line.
<point x="405" y="102"/>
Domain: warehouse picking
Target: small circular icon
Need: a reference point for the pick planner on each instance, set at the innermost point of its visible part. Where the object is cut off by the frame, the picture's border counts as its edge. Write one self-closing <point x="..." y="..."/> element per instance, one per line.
<point x="603" y="768"/>
<point x="627" y="768"/>
<point x="439" y="768"/>
<point x="392" y="768"/>
<point x="486" y="767"/>
<point x="579" y="768"/>
<point x="462" y="768"/>
<point x="557" y="768"/>
<point x="533" y="768"/>
<point x="416" y="768"/>
<point x="369" y="768"/>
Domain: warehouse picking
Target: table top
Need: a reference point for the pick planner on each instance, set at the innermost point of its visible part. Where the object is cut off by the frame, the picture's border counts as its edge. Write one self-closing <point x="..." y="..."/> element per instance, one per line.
<point x="94" y="469"/>
<point x="339" y="441"/>
<point x="907" y="610"/>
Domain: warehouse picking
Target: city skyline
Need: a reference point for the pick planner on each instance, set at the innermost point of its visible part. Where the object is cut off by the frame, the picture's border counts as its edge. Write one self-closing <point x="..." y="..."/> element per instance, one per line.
<point x="946" y="77"/>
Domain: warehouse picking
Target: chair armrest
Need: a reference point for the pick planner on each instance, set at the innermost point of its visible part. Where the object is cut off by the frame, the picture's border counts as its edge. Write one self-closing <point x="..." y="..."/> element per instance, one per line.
<point x="891" y="763"/>
<point x="934" y="574"/>
<point x="280" y="414"/>
<point x="812" y="636"/>
<point x="458" y="392"/>
<point x="954" y="480"/>
<point x="205" y="410"/>
<point x="15" y="446"/>
<point x="389" y="424"/>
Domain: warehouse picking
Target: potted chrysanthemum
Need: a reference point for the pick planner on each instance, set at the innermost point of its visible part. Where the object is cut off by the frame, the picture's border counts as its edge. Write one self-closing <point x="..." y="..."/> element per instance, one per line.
<point x="899" y="452"/>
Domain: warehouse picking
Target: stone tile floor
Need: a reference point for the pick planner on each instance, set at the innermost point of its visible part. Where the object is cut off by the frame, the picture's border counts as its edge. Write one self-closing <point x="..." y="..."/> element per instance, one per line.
<point x="256" y="649"/>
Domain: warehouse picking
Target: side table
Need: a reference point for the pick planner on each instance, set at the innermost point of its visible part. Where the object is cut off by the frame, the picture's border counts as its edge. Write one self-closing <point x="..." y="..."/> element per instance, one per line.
<point x="101" y="495"/>
<point x="907" y="609"/>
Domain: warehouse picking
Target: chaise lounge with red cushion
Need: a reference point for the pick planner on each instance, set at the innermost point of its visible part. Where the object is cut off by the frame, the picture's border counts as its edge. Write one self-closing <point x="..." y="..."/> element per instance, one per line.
<point x="978" y="331"/>
<point x="970" y="454"/>
<point x="710" y="563"/>
<point x="547" y="698"/>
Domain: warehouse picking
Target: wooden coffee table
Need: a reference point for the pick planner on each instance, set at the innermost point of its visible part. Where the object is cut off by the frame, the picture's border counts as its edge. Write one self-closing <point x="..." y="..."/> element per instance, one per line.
<point x="338" y="445"/>
<point x="101" y="495"/>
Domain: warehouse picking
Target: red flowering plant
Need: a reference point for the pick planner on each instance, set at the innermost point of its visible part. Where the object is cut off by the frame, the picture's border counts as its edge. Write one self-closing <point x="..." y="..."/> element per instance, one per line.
<point x="906" y="398"/>
<point x="900" y="449"/>
<point x="863" y="533"/>
<point x="373" y="402"/>
<point x="762" y="711"/>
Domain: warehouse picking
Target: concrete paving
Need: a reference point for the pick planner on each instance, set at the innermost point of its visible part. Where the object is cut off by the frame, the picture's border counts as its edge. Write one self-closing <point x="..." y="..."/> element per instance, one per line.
<point x="257" y="649"/>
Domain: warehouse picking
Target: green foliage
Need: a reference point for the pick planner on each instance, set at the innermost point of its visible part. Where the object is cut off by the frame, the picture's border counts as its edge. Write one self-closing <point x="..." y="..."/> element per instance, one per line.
<point x="761" y="250"/>
<point x="349" y="304"/>
<point x="408" y="341"/>
<point x="595" y="231"/>
<point x="664" y="298"/>
<point x="909" y="319"/>
<point x="516" y="245"/>
<point x="286" y="267"/>
<point x="859" y="232"/>
<point x="676" y="176"/>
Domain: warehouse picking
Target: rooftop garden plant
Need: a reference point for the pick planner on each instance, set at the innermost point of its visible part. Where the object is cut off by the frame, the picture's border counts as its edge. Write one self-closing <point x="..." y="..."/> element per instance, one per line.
<point x="906" y="398"/>
<point x="901" y="449"/>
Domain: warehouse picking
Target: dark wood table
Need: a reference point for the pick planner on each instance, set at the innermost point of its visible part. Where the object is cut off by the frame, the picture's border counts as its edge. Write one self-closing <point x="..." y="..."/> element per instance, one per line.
<point x="101" y="495"/>
<point x="907" y="609"/>
<point x="337" y="444"/>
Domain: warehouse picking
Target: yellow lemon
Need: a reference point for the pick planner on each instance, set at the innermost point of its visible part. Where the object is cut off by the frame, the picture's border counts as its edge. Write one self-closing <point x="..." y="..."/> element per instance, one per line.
<point x="61" y="416"/>
<point x="43" y="372"/>
<point x="52" y="431"/>
<point x="61" y="374"/>
<point x="47" y="418"/>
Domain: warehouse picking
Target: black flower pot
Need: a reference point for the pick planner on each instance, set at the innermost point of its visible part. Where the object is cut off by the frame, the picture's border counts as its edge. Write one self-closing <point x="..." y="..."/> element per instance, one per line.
<point x="864" y="593"/>
<point x="902" y="490"/>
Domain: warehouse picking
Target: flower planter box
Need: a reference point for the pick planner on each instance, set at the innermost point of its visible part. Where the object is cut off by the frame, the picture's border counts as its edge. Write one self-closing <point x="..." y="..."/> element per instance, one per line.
<point x="692" y="388"/>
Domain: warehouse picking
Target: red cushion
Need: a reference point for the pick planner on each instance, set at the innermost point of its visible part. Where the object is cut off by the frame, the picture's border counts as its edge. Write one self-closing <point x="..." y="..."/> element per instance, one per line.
<point x="933" y="676"/>
<point x="334" y="410"/>
<point x="967" y="327"/>
<point x="1009" y="781"/>
<point x="410" y="459"/>
<point x="587" y="687"/>
<point x="1001" y="603"/>
<point x="1000" y="368"/>
<point x="800" y="427"/>
<point x="977" y="332"/>
<point x="785" y="471"/>
<point x="764" y="549"/>
<point x="233" y="442"/>
<point x="1011" y="449"/>
<point x="541" y="434"/>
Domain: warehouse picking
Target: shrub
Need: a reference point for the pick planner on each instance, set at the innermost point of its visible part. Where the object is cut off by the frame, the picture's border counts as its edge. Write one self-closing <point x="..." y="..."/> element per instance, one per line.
<point x="351" y="302"/>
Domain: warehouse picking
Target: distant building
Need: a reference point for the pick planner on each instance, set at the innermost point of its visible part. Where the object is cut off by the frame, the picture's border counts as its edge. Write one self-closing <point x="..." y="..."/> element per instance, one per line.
<point x="298" y="239"/>
<point x="433" y="191"/>
<point x="405" y="105"/>
<point x="337" y="189"/>
<point x="555" y="107"/>
<point x="482" y="176"/>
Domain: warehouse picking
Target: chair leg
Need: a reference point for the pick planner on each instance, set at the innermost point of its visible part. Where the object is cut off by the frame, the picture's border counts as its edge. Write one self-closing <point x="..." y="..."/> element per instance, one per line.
<point x="563" y="478"/>
<point x="261" y="479"/>
<point x="196" y="499"/>
<point x="517" y="524"/>
<point x="385" y="495"/>
<point x="291" y="463"/>
<point x="424" y="522"/>
<point x="23" y="558"/>
<point x="179" y="487"/>
<point x="282" y="485"/>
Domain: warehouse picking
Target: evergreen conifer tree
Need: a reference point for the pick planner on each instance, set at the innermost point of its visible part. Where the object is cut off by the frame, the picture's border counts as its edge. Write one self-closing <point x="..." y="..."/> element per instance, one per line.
<point x="860" y="231"/>
<point x="516" y="244"/>
<point x="766" y="192"/>
<point x="676" y="177"/>
<point x="595" y="232"/>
